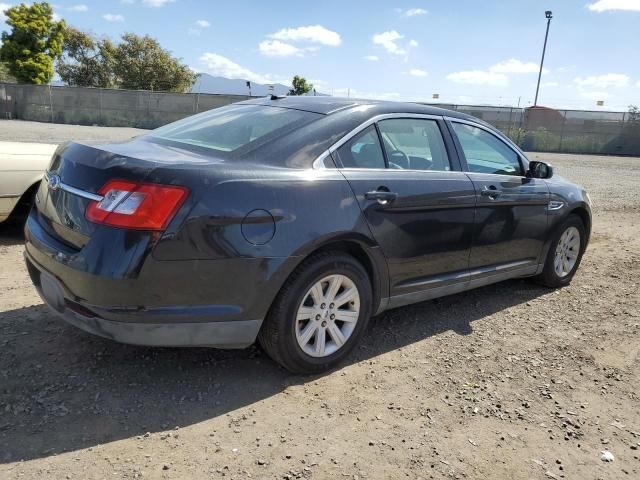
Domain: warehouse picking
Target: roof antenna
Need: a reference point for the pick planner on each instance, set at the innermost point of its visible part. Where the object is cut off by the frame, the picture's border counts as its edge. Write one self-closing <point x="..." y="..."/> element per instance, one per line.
<point x="277" y="97"/>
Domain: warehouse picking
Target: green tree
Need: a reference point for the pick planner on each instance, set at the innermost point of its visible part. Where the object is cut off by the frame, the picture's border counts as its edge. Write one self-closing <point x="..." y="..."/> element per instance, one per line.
<point x="300" y="86"/>
<point x="87" y="61"/>
<point x="34" y="43"/>
<point x="5" y="76"/>
<point x="140" y="63"/>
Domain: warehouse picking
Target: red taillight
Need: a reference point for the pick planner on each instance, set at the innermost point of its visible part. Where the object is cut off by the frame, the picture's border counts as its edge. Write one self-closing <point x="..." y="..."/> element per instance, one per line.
<point x="142" y="206"/>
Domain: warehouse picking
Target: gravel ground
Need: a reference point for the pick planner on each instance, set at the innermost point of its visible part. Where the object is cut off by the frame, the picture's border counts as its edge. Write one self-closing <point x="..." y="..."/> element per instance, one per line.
<point x="507" y="381"/>
<point x="21" y="131"/>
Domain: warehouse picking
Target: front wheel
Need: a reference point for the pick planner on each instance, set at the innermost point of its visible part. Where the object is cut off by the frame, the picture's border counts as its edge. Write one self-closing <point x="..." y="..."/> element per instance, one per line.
<point x="565" y="253"/>
<point x="319" y="315"/>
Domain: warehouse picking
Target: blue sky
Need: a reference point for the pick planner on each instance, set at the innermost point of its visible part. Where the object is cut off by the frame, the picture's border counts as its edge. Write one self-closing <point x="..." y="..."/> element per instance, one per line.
<point x="467" y="51"/>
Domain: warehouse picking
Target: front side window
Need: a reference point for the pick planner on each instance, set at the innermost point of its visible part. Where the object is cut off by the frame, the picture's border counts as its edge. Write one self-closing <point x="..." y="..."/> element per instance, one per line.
<point x="486" y="153"/>
<point x="414" y="144"/>
<point x="232" y="128"/>
<point x="362" y="151"/>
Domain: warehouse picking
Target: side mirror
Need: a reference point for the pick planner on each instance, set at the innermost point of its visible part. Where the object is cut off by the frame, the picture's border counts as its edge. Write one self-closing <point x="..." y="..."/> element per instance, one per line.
<point x="539" y="170"/>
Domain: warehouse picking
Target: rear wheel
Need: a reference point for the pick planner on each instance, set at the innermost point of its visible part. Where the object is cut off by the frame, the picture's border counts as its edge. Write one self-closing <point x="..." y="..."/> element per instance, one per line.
<point x="319" y="315"/>
<point x="564" y="254"/>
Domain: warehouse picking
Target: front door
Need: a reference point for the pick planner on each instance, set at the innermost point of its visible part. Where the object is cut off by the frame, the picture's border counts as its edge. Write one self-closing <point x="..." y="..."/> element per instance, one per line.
<point x="511" y="209"/>
<point x="417" y="203"/>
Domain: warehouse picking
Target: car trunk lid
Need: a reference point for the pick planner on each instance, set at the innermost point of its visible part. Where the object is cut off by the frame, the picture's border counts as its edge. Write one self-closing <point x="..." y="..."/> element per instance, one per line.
<point x="79" y="171"/>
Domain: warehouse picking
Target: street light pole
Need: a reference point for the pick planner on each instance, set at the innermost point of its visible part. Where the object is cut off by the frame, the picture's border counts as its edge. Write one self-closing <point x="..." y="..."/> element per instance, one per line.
<point x="549" y="16"/>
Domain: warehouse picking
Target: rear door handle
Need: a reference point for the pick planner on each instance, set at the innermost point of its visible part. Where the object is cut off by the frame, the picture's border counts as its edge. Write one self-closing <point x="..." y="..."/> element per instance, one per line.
<point x="381" y="196"/>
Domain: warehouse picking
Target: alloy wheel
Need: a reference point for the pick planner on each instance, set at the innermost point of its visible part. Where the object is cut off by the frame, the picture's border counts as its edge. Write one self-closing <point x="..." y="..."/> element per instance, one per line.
<point x="567" y="252"/>
<point x="327" y="315"/>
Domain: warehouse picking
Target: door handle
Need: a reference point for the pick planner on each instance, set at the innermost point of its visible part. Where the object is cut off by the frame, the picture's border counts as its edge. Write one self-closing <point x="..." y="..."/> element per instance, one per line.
<point x="491" y="192"/>
<point x="381" y="196"/>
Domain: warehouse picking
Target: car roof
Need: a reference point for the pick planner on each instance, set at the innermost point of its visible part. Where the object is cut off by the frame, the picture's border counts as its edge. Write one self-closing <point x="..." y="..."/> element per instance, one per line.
<point x="327" y="105"/>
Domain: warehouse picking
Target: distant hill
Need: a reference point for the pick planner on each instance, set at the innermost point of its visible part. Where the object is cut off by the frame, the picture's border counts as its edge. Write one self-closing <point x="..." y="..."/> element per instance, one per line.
<point x="209" y="84"/>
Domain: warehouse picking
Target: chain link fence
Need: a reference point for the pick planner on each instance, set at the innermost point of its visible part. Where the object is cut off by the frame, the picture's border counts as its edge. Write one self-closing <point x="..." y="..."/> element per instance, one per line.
<point x="534" y="129"/>
<point x="542" y="129"/>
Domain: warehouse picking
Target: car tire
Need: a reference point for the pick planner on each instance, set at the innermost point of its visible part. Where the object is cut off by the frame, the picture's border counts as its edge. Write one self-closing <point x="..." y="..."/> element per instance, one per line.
<point x="564" y="248"/>
<point x="286" y="328"/>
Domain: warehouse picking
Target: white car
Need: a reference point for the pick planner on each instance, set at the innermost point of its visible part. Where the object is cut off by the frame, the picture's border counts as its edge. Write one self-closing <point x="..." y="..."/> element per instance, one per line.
<point x="22" y="166"/>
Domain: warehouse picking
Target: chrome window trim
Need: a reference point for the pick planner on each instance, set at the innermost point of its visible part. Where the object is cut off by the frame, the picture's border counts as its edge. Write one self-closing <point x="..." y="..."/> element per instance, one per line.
<point x="76" y="191"/>
<point x="318" y="163"/>
<point x="432" y="172"/>
<point x="505" y="175"/>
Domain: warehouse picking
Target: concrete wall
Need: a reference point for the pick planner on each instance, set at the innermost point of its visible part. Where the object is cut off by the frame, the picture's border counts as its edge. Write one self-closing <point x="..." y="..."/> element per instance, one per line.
<point x="107" y="107"/>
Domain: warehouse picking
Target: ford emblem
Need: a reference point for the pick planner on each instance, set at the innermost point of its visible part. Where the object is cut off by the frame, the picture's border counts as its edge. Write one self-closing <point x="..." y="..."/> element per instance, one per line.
<point x="53" y="182"/>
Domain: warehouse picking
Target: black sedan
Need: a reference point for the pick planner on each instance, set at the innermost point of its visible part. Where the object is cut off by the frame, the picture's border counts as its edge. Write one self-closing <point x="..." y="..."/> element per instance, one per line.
<point x="292" y="221"/>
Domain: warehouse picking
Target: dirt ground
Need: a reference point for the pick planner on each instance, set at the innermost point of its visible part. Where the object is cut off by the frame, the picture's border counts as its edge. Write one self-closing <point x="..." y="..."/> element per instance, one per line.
<point x="511" y="381"/>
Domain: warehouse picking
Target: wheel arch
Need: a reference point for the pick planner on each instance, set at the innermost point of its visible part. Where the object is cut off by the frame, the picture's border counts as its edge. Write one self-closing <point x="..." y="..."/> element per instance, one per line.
<point x="363" y="250"/>
<point x="583" y="213"/>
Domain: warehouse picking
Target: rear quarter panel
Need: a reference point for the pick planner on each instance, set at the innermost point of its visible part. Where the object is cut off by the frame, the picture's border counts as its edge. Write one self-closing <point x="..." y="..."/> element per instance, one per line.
<point x="307" y="209"/>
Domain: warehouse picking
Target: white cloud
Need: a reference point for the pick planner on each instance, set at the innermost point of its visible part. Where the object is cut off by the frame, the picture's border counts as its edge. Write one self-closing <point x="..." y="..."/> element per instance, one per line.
<point x="276" y="48"/>
<point x="78" y="8"/>
<point x="412" y="12"/>
<point x="203" y="23"/>
<point x="318" y="82"/>
<point x="479" y="77"/>
<point x="595" y="95"/>
<point x="157" y="3"/>
<point x="416" y="72"/>
<point x="221" y="66"/>
<point x="371" y="58"/>
<point x="113" y="17"/>
<point x="3" y="7"/>
<point x="413" y="43"/>
<point x="310" y="33"/>
<point x="607" y="80"/>
<point x="549" y="84"/>
<point x="353" y="93"/>
<point x="464" y="99"/>
<point x="514" y="65"/>
<point x="497" y="75"/>
<point x="638" y="84"/>
<point x="388" y="41"/>
<point x="604" y="5"/>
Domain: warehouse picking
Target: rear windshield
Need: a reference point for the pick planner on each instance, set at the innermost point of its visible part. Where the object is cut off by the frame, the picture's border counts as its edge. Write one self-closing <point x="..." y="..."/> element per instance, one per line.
<point x="234" y="128"/>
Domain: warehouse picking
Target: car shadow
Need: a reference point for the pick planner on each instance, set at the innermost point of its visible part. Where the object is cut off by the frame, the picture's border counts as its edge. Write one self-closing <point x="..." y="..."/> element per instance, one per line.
<point x="11" y="233"/>
<point x="64" y="390"/>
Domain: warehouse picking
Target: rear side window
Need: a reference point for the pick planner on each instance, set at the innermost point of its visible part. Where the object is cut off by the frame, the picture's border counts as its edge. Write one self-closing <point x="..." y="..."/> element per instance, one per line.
<point x="362" y="151"/>
<point x="414" y="144"/>
<point x="486" y="153"/>
<point x="235" y="127"/>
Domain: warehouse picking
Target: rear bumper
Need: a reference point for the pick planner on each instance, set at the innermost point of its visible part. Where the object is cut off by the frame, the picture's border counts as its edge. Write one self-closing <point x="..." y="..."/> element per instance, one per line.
<point x="165" y="326"/>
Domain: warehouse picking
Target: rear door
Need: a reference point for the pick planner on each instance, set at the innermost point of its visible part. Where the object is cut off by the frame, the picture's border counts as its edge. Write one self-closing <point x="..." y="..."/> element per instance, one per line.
<point x="418" y="203"/>
<point x="511" y="212"/>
